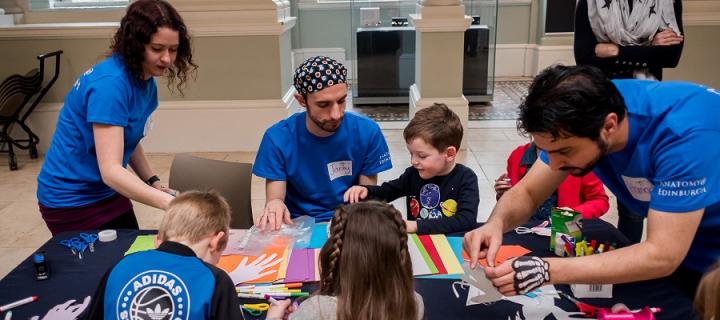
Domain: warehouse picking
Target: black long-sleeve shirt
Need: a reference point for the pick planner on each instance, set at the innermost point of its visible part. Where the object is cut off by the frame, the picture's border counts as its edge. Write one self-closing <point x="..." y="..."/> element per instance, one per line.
<point x="629" y="58"/>
<point x="442" y="204"/>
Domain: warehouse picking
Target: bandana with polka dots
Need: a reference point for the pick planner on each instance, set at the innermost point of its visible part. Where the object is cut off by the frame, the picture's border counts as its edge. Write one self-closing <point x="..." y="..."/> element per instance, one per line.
<point x="318" y="73"/>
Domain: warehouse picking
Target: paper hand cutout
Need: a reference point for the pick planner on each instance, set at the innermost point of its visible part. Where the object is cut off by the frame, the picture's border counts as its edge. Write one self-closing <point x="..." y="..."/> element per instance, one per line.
<point x="248" y="272"/>
<point x="66" y="311"/>
<point x="477" y="279"/>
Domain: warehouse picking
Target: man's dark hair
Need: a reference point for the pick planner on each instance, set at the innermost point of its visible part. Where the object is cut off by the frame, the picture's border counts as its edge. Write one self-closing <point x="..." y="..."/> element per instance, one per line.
<point x="570" y="101"/>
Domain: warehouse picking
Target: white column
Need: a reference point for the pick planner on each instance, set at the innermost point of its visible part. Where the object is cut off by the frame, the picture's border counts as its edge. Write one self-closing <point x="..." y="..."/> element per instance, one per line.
<point x="440" y="28"/>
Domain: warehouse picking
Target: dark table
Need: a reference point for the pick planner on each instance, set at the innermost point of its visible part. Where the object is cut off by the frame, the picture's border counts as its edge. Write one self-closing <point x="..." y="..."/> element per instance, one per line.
<point x="72" y="278"/>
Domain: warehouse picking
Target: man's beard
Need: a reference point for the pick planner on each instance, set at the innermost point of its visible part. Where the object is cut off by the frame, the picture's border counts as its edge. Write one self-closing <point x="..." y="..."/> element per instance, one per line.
<point x="328" y="125"/>
<point x="580" y="172"/>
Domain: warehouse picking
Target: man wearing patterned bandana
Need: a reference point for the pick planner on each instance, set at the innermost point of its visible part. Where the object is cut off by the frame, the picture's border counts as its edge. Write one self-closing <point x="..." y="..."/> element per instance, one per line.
<point x="653" y="144"/>
<point x="312" y="157"/>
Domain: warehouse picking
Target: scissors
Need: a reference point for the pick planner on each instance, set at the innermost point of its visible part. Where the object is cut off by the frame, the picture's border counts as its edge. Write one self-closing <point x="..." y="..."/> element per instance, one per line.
<point x="256" y="309"/>
<point x="90" y="239"/>
<point x="75" y="245"/>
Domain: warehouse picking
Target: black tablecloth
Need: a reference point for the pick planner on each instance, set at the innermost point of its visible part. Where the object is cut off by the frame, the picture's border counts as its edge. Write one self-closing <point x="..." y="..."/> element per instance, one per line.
<point x="72" y="278"/>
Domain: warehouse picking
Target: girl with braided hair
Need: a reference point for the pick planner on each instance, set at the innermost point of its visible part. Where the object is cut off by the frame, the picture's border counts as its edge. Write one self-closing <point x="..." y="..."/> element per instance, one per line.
<point x="365" y="269"/>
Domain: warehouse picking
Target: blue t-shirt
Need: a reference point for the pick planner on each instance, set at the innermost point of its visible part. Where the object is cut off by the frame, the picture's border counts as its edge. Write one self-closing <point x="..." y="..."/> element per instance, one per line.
<point x="318" y="170"/>
<point x="105" y="94"/>
<point x="670" y="161"/>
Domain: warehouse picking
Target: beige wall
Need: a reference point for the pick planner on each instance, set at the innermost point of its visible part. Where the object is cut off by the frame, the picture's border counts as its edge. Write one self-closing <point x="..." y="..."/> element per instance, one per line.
<point x="230" y="68"/>
<point x="700" y="60"/>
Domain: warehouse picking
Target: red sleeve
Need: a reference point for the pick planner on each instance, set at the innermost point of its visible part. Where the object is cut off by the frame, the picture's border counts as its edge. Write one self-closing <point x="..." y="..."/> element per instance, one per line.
<point x="594" y="200"/>
<point x="513" y="165"/>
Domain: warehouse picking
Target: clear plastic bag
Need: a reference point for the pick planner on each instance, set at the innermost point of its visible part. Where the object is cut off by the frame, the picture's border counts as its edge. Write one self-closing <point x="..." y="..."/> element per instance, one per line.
<point x="254" y="241"/>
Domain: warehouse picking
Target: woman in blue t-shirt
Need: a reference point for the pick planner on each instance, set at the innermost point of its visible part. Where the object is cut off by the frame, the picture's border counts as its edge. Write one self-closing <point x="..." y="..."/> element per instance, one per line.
<point x="84" y="183"/>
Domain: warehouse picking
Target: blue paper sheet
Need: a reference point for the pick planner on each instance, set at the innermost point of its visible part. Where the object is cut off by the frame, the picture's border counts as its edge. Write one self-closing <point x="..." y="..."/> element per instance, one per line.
<point x="319" y="236"/>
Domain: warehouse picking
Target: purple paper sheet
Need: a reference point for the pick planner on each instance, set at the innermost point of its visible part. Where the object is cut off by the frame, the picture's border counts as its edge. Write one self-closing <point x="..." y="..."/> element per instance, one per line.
<point x="301" y="267"/>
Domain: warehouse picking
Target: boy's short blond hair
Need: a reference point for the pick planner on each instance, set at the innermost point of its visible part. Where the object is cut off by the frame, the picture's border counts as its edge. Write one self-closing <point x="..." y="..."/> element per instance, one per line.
<point x="195" y="215"/>
<point x="437" y="125"/>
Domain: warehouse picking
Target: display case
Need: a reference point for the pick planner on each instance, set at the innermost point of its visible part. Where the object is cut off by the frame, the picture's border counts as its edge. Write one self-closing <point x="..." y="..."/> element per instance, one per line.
<point x="383" y="51"/>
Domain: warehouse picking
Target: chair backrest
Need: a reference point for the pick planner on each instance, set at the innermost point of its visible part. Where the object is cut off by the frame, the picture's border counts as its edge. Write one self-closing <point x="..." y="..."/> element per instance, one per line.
<point x="231" y="179"/>
<point x="16" y="91"/>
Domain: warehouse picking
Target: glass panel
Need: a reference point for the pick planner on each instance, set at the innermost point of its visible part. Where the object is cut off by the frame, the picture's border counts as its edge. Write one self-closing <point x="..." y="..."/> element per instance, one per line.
<point x="479" y="64"/>
<point x="383" y="49"/>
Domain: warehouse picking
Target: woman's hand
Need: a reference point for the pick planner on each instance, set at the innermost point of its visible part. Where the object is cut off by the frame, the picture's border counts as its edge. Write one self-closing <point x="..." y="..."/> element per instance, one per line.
<point x="667" y="37"/>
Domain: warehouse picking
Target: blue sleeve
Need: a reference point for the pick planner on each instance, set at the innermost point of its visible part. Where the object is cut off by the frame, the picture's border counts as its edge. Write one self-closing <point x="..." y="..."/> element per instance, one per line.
<point x="269" y="162"/>
<point x="544" y="157"/>
<point x="687" y="176"/>
<point x="377" y="158"/>
<point x="109" y="101"/>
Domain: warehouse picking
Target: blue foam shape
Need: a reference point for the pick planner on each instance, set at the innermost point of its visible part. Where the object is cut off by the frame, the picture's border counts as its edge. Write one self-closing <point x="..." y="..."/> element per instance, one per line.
<point x="319" y="236"/>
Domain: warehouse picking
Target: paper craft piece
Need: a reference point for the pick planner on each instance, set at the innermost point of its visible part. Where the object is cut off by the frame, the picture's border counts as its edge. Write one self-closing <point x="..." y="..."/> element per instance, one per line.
<point x="448" y="257"/>
<point x="419" y="266"/>
<point x="284" y="264"/>
<point x="142" y="243"/>
<point x="456" y="246"/>
<point x="301" y="267"/>
<point x="253" y="271"/>
<point x="317" y="264"/>
<point x="476" y="278"/>
<point x="506" y="252"/>
<point x="432" y="253"/>
<point x="540" y="304"/>
<point x="319" y="236"/>
<point x="270" y="266"/>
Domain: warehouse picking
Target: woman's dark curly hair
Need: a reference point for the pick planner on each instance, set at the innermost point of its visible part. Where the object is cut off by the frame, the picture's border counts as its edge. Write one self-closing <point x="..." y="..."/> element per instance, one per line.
<point x="142" y="20"/>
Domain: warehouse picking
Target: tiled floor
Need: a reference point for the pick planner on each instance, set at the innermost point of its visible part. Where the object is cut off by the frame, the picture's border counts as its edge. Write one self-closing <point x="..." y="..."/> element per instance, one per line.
<point x="22" y="230"/>
<point x="507" y="95"/>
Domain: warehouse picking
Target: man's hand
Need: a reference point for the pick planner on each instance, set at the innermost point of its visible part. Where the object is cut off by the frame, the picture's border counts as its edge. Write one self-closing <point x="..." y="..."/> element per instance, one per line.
<point x="274" y="215"/>
<point x="355" y="194"/>
<point x="502" y="184"/>
<point x="483" y="242"/>
<point x="410" y="226"/>
<point x="667" y="37"/>
<point x="520" y="275"/>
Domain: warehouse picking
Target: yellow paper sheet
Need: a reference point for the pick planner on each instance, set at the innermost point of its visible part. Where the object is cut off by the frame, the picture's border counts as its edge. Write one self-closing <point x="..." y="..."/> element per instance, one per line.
<point x="142" y="243"/>
<point x="446" y="254"/>
<point x="317" y="264"/>
<point x="284" y="264"/>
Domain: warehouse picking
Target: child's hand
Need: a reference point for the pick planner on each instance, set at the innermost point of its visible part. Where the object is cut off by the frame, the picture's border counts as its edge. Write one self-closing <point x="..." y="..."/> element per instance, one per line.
<point x="355" y="194"/>
<point x="279" y="309"/>
<point x="502" y="184"/>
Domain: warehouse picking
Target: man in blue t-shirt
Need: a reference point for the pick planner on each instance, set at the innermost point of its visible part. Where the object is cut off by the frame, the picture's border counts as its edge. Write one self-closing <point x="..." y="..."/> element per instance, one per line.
<point x="311" y="158"/>
<point x="653" y="144"/>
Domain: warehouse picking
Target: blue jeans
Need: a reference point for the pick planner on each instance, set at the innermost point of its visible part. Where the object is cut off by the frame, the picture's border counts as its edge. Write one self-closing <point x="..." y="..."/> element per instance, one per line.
<point x="629" y="223"/>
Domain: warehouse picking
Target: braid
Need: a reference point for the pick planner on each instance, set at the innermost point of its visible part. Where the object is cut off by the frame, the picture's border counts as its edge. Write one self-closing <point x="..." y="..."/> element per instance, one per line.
<point x="336" y="235"/>
<point x="402" y="231"/>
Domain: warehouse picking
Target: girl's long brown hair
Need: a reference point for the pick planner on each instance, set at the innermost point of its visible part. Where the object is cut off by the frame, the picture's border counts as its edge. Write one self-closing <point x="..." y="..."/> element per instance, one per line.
<point x="707" y="299"/>
<point x="365" y="263"/>
<point x="142" y="20"/>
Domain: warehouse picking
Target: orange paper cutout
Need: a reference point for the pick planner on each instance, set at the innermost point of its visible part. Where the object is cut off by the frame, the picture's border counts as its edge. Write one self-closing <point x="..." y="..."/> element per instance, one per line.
<point x="506" y="252"/>
<point x="278" y="247"/>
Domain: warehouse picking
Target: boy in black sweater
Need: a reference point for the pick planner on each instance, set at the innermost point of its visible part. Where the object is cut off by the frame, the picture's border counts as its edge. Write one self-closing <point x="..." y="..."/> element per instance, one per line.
<point x="442" y="196"/>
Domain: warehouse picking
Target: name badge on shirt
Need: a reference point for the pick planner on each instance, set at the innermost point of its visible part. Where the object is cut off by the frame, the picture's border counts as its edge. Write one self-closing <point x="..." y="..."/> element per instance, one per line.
<point x="640" y="188"/>
<point x="149" y="125"/>
<point x="339" y="169"/>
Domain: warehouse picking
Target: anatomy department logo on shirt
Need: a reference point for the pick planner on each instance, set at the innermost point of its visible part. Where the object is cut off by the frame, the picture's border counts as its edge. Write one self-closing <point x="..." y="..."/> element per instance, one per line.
<point x="640" y="188"/>
<point x="339" y="169"/>
<point x="154" y="295"/>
